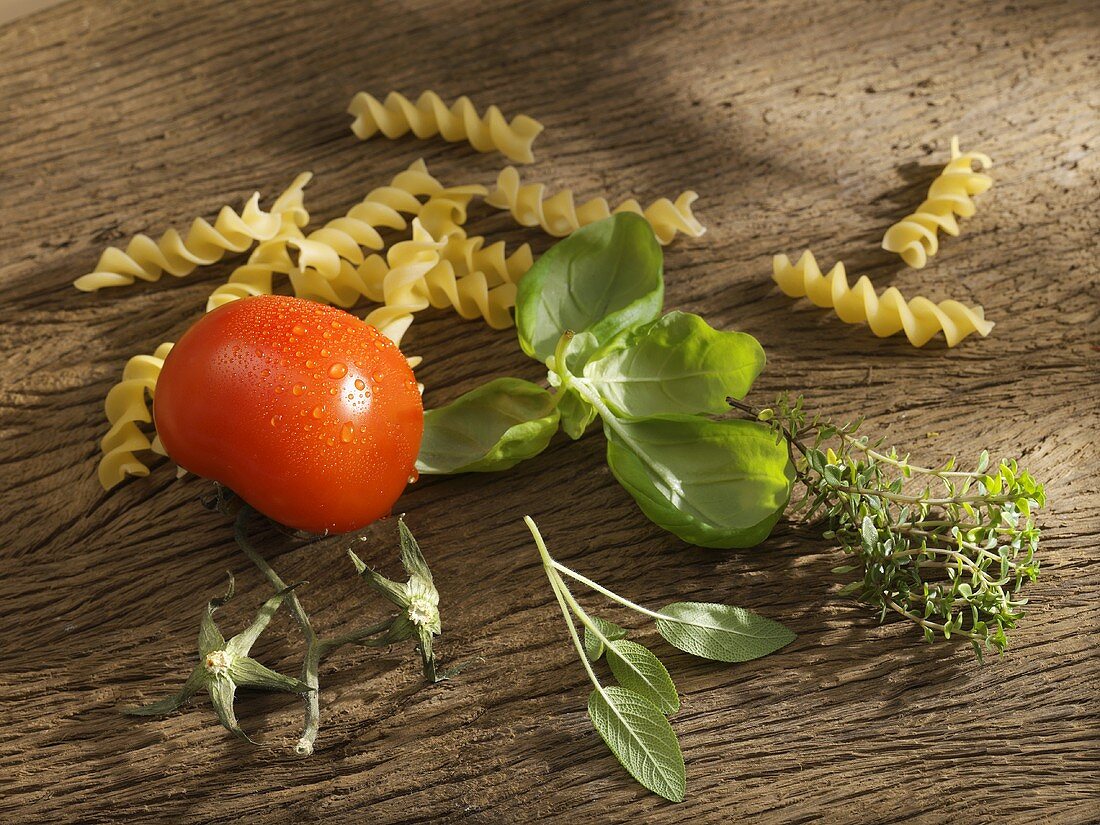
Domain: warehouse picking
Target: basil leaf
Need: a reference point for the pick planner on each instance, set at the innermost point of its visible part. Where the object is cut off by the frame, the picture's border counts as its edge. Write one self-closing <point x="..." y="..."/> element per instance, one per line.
<point x="576" y="414"/>
<point x="721" y="632"/>
<point x="639" y="670"/>
<point x="593" y="647"/>
<point x="603" y="278"/>
<point x="713" y="483"/>
<point x="677" y="364"/>
<point x="493" y="427"/>
<point x="641" y="738"/>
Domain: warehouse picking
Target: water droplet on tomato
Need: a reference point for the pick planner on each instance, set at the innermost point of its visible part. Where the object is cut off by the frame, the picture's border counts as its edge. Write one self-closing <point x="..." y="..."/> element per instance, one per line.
<point x="265" y="373"/>
<point x="325" y="353"/>
<point x="279" y="389"/>
<point x="380" y="344"/>
<point x="333" y="391"/>
<point x="379" y="377"/>
<point x="414" y="477"/>
<point x="298" y="329"/>
<point x="298" y="389"/>
<point x="275" y="419"/>
<point x="318" y="411"/>
<point x="336" y="325"/>
<point x="337" y="370"/>
<point x="299" y="354"/>
<point x="347" y="431"/>
<point x="327" y="335"/>
<point x="310" y="363"/>
<point x="330" y="441"/>
<point x="360" y="384"/>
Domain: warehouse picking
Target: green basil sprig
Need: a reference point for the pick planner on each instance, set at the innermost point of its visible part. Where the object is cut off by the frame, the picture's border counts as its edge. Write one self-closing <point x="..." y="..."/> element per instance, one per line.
<point x="590" y="309"/>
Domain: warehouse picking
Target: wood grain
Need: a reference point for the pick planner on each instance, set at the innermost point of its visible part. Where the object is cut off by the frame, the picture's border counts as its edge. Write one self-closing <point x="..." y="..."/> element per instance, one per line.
<point x="801" y="124"/>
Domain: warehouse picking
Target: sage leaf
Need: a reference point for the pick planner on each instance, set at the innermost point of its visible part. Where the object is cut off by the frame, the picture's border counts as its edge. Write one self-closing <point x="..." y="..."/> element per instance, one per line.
<point x="713" y="483"/>
<point x="638" y="669"/>
<point x="676" y="364"/>
<point x="593" y="647"/>
<point x="721" y="632"/>
<point x="603" y="278"/>
<point x="493" y="427"/>
<point x="641" y="738"/>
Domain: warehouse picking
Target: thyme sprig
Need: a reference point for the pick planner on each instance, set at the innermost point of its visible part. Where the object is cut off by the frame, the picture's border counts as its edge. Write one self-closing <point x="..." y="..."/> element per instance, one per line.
<point x="948" y="549"/>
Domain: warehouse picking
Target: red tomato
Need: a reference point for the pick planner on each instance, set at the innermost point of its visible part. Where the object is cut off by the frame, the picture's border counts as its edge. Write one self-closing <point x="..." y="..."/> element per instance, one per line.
<point x="310" y="415"/>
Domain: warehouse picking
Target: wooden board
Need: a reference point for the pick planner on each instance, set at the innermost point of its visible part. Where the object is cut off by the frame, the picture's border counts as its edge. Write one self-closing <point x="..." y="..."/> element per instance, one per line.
<point x="801" y="124"/>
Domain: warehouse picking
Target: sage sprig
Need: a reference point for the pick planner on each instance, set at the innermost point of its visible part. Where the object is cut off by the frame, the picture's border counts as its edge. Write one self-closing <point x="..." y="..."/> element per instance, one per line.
<point x="948" y="549"/>
<point x="631" y="717"/>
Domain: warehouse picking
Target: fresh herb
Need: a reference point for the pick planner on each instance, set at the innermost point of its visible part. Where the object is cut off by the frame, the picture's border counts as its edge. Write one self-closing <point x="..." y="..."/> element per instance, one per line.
<point x="631" y="716"/>
<point x="494" y="427"/>
<point x="947" y="549"/>
<point x="590" y="310"/>
<point x="951" y="556"/>
<point x="224" y="666"/>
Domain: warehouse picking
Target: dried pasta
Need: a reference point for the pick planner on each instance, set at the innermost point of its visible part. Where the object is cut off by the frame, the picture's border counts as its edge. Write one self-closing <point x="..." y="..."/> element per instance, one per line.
<point x="887" y="314"/>
<point x="469" y="255"/>
<point x="426" y="271"/>
<point x="347" y="236"/>
<point x="429" y="116"/>
<point x="558" y="215"/>
<point x="914" y="237"/>
<point x="127" y="405"/>
<point x="145" y="259"/>
<point x="330" y="260"/>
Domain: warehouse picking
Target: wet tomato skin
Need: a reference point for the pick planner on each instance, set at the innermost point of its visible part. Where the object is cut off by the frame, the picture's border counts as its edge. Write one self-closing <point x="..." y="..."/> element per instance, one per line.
<point x="309" y="414"/>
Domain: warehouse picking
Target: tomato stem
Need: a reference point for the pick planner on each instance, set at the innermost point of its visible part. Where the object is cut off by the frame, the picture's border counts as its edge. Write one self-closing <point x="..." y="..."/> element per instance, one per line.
<point x="314" y="646"/>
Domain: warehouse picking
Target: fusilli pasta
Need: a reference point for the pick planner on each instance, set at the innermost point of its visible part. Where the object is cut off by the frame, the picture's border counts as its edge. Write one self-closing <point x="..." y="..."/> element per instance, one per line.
<point x="145" y="259"/>
<point x="431" y="116"/>
<point x="470" y="255"/>
<point x="427" y="271"/>
<point x="330" y="265"/>
<point x="127" y="405"/>
<point x="558" y="215"/>
<point x="914" y="237"/>
<point x="887" y="314"/>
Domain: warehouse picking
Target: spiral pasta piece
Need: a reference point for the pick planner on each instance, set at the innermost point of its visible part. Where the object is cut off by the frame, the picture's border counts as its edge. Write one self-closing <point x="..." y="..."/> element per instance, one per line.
<point x="127" y="405"/>
<point x="426" y="271"/>
<point x="469" y="255"/>
<point x="885" y="314"/>
<point x="914" y="236"/>
<point x="429" y="116"/>
<point x="145" y="259"/>
<point x="558" y="215"/>
<point x="346" y="237"/>
<point x="330" y="265"/>
<point x="400" y="279"/>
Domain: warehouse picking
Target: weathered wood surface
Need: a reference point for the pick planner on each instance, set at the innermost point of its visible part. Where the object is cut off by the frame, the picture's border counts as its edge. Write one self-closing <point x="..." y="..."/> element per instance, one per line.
<point x="801" y="124"/>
